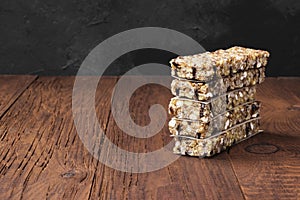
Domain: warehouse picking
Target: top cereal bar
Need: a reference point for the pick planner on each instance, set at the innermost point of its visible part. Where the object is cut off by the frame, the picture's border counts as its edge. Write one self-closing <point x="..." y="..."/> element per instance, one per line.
<point x="221" y="63"/>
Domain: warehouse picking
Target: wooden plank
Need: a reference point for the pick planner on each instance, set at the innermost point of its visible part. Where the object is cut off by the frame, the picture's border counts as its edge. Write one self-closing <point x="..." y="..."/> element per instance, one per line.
<point x="11" y="87"/>
<point x="268" y="165"/>
<point x="186" y="178"/>
<point x="41" y="155"/>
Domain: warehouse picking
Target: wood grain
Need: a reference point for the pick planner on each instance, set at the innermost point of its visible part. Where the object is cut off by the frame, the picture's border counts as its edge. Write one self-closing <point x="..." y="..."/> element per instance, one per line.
<point x="186" y="178"/>
<point x="268" y="165"/>
<point x="42" y="156"/>
<point x="11" y="87"/>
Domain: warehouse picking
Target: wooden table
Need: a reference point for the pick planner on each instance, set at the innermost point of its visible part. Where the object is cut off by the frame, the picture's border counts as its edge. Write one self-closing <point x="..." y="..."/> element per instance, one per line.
<point x="42" y="157"/>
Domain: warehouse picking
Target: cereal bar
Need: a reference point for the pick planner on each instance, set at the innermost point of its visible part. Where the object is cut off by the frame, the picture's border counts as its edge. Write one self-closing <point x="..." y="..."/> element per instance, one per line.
<point x="207" y="127"/>
<point x="221" y="63"/>
<point x="205" y="91"/>
<point x="195" y="110"/>
<point x="215" y="144"/>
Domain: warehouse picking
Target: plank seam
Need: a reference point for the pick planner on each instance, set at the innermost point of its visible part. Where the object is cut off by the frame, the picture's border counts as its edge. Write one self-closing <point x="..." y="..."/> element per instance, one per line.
<point x="96" y="168"/>
<point x="17" y="98"/>
<point x="235" y="175"/>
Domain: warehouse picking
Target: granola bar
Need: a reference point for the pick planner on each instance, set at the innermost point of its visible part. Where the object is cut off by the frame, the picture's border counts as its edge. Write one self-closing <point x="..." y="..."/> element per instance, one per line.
<point x="221" y="63"/>
<point x="224" y="101"/>
<point x="198" y="90"/>
<point x="196" y="110"/>
<point x="204" y="129"/>
<point x="215" y="144"/>
<point x="205" y="91"/>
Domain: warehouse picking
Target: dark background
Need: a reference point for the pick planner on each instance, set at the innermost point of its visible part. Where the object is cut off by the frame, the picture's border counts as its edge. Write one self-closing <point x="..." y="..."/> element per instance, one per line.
<point x="53" y="37"/>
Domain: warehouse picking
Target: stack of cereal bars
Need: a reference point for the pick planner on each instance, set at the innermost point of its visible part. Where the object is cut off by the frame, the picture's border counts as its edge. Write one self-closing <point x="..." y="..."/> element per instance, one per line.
<point x="215" y="104"/>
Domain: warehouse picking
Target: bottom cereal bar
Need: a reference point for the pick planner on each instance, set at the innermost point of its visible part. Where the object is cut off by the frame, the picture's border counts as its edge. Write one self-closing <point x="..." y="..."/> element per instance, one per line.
<point x="215" y="144"/>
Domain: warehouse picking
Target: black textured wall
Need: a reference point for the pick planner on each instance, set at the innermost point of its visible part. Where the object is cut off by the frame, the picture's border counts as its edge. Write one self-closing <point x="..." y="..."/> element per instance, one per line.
<point x="53" y="37"/>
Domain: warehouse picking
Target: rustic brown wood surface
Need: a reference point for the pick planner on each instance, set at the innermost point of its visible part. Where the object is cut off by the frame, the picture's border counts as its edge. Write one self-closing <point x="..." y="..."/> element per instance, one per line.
<point x="42" y="156"/>
<point x="11" y="87"/>
<point x="268" y="165"/>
